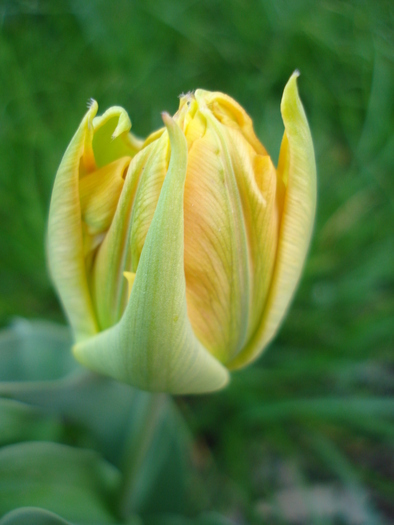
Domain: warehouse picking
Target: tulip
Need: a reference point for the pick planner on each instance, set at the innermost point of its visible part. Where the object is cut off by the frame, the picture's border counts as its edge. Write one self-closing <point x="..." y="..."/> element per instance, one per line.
<point x="176" y="258"/>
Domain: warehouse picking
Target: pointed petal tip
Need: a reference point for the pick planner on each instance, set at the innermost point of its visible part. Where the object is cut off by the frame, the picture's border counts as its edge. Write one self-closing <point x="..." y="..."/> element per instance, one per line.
<point x="297" y="167"/>
<point x="130" y="277"/>
<point x="291" y="89"/>
<point x="167" y="119"/>
<point x="176" y="136"/>
<point x="291" y="106"/>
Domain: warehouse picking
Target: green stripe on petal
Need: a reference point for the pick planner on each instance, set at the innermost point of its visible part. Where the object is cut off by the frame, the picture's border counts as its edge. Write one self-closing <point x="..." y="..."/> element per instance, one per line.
<point x="297" y="169"/>
<point x="256" y="179"/>
<point x="115" y="254"/>
<point x="65" y="241"/>
<point x="230" y="248"/>
<point x="153" y="347"/>
<point x="147" y="197"/>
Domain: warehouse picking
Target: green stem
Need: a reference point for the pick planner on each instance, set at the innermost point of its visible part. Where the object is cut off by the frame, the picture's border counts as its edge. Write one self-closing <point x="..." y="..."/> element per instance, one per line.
<point x="147" y="417"/>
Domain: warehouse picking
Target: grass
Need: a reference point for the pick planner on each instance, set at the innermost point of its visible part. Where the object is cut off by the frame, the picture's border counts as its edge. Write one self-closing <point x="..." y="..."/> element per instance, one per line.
<point x="317" y="409"/>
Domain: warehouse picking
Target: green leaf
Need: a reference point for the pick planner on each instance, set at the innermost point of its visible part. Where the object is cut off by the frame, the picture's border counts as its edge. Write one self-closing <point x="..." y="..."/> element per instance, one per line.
<point x="211" y="518"/>
<point x="35" y="351"/>
<point x="32" y="516"/>
<point x="36" y="516"/>
<point x="76" y="484"/>
<point x="120" y="422"/>
<point x="347" y="409"/>
<point x="37" y="368"/>
<point x="340" y="465"/>
<point x="19" y="422"/>
<point x="155" y="466"/>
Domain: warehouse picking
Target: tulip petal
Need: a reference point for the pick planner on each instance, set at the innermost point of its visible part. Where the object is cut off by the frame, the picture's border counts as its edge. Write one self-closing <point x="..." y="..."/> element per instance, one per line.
<point x="121" y="249"/>
<point x="231" y="115"/>
<point x="147" y="197"/>
<point x="111" y="139"/>
<point x="298" y="171"/>
<point x="65" y="242"/>
<point x="130" y="276"/>
<point x="256" y="180"/>
<point x="99" y="193"/>
<point x="216" y="258"/>
<point x="153" y="346"/>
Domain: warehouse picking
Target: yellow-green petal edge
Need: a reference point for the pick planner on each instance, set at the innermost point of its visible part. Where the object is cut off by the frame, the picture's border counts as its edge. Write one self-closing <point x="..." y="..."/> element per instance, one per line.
<point x="64" y="240"/>
<point x="297" y="168"/>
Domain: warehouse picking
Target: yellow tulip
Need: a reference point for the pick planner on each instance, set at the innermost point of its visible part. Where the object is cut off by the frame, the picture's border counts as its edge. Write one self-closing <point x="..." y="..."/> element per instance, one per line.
<point x="176" y="258"/>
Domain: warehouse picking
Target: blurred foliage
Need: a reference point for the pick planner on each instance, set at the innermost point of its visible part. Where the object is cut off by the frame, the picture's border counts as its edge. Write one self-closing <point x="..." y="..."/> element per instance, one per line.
<point x="84" y="447"/>
<point x="306" y="435"/>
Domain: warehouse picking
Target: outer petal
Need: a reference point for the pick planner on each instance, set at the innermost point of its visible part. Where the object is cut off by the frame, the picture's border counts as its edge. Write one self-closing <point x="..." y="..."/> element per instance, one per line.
<point x="231" y="246"/>
<point x="65" y="243"/>
<point x="116" y="253"/>
<point x="216" y="260"/>
<point x="298" y="170"/>
<point x="256" y="179"/>
<point x="153" y="346"/>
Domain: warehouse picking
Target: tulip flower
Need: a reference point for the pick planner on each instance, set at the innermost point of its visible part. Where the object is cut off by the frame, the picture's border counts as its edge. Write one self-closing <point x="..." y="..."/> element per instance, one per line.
<point x="176" y="258"/>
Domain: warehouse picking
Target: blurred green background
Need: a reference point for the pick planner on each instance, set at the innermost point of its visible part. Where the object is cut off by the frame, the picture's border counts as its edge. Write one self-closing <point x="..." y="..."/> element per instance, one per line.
<point x="306" y="435"/>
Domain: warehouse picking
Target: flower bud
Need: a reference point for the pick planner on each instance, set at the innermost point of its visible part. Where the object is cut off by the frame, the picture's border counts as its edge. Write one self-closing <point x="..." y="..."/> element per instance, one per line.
<point x="176" y="258"/>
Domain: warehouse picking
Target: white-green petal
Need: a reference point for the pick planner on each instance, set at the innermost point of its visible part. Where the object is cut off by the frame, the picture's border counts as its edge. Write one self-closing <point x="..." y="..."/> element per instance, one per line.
<point x="64" y="241"/>
<point x="153" y="346"/>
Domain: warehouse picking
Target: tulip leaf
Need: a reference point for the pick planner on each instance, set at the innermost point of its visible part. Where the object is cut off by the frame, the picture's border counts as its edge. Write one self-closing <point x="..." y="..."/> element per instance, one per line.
<point x="76" y="484"/>
<point x="37" y="368"/>
<point x="32" y="516"/>
<point x="211" y="518"/>
<point x="153" y="346"/>
<point x="141" y="433"/>
<point x="155" y="465"/>
<point x="35" y="352"/>
<point x="20" y="422"/>
<point x="112" y="416"/>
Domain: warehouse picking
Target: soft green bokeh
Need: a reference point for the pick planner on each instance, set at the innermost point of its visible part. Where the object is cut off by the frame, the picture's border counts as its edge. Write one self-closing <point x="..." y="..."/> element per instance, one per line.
<point x="316" y="411"/>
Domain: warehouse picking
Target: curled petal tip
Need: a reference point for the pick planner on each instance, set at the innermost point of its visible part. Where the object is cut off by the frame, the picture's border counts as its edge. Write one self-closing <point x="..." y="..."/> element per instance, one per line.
<point x="91" y="102"/>
<point x="124" y="122"/>
<point x="92" y="111"/>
